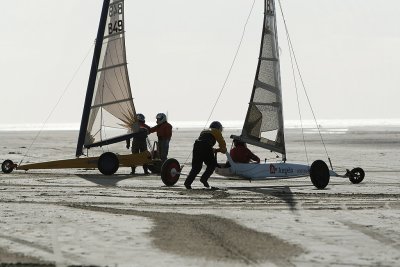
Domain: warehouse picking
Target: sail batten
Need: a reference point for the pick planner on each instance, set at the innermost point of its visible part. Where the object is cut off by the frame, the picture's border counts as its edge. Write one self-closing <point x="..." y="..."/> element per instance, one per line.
<point x="111" y="101"/>
<point x="263" y="125"/>
<point x="112" y="67"/>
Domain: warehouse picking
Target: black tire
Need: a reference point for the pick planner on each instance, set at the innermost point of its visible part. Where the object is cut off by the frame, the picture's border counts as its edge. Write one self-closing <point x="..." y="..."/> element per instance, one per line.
<point x="108" y="163"/>
<point x="319" y="174"/>
<point x="356" y="175"/>
<point x="155" y="166"/>
<point x="170" y="172"/>
<point x="7" y="166"/>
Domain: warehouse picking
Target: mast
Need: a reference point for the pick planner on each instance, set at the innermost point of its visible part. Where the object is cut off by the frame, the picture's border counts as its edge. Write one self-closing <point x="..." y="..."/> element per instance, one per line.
<point x="92" y="78"/>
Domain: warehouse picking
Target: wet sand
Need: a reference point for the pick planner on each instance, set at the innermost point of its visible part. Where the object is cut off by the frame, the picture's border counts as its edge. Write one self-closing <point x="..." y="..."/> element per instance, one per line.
<point x="79" y="217"/>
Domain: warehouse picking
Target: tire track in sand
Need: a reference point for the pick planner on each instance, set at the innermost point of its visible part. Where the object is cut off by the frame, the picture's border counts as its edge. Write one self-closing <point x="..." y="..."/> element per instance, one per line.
<point x="211" y="237"/>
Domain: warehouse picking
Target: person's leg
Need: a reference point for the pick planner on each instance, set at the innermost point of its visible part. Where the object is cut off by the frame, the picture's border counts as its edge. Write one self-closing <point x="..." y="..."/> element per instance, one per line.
<point x="211" y="163"/>
<point x="197" y="163"/>
<point x="142" y="148"/>
<point x="164" y="147"/>
<point x="135" y="150"/>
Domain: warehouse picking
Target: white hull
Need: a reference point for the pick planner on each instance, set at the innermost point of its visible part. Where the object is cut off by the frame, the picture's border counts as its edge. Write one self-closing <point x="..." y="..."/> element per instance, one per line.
<point x="267" y="170"/>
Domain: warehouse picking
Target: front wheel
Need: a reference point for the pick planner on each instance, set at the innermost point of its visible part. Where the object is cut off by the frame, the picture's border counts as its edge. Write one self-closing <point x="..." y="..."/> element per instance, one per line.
<point x="170" y="172"/>
<point x="319" y="174"/>
<point x="108" y="163"/>
<point x="356" y="175"/>
<point x="7" y="166"/>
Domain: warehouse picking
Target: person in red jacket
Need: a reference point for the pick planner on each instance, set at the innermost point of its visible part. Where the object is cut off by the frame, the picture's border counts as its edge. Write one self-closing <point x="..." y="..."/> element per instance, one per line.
<point x="164" y="134"/>
<point x="139" y="143"/>
<point x="241" y="154"/>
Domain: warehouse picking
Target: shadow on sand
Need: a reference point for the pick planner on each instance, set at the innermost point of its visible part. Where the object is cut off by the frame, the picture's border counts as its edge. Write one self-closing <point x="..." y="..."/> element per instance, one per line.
<point x="102" y="180"/>
<point x="282" y="192"/>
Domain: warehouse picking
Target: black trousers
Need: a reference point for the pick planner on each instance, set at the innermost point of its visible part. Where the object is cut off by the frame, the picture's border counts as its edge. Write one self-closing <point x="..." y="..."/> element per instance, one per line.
<point x="202" y="152"/>
<point x="139" y="145"/>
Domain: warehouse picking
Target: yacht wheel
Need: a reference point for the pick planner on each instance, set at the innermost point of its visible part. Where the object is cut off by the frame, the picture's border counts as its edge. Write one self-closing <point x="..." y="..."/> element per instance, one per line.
<point x="356" y="175"/>
<point x="170" y="172"/>
<point x="7" y="166"/>
<point x="108" y="163"/>
<point x="319" y="174"/>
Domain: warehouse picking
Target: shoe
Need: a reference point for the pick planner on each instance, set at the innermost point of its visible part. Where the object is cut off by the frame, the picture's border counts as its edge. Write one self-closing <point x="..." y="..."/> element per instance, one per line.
<point x="145" y="169"/>
<point x="188" y="186"/>
<point x="205" y="183"/>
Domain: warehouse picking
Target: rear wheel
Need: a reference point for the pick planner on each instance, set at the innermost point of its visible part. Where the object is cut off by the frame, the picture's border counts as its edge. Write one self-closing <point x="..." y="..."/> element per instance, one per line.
<point x="108" y="163"/>
<point x="7" y="166"/>
<point x="356" y="175"/>
<point x="319" y="174"/>
<point x="170" y="172"/>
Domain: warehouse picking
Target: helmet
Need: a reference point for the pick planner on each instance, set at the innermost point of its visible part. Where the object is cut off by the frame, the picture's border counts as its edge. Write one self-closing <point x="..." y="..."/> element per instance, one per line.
<point x="216" y="125"/>
<point x="140" y="117"/>
<point x="238" y="143"/>
<point x="161" y="118"/>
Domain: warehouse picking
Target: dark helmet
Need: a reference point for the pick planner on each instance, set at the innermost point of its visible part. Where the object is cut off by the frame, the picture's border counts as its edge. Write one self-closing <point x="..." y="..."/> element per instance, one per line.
<point x="238" y="143"/>
<point x="140" y="117"/>
<point x="161" y="118"/>
<point x="216" y="125"/>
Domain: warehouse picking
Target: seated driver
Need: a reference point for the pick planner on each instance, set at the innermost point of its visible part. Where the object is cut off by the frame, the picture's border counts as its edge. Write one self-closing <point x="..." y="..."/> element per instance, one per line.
<point x="241" y="154"/>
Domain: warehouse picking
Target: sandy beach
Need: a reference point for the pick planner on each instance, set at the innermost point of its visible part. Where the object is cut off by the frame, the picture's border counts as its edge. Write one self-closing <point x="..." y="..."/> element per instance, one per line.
<point x="82" y="218"/>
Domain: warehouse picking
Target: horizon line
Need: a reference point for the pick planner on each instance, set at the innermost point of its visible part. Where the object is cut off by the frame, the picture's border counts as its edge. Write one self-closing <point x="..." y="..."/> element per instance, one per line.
<point x="228" y="124"/>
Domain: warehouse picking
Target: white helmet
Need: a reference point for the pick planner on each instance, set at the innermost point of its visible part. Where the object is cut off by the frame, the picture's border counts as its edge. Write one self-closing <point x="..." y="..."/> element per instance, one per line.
<point x="140" y="117"/>
<point x="161" y="118"/>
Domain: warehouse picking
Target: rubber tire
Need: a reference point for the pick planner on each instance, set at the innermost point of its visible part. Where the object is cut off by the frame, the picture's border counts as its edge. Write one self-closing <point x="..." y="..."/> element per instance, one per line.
<point x="155" y="166"/>
<point x="167" y="177"/>
<point x="319" y="174"/>
<point x="356" y="175"/>
<point x="108" y="163"/>
<point x="5" y="166"/>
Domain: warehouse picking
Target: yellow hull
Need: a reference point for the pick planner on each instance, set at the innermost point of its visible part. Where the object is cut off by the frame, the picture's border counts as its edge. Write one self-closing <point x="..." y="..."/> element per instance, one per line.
<point x="90" y="162"/>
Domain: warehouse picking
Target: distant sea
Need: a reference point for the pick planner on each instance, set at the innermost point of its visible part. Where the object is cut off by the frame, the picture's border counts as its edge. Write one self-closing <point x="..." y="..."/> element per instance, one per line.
<point x="340" y="125"/>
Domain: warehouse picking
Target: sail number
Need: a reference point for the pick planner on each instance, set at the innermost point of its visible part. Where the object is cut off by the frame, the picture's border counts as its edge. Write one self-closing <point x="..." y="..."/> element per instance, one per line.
<point x="116" y="26"/>
<point x="116" y="9"/>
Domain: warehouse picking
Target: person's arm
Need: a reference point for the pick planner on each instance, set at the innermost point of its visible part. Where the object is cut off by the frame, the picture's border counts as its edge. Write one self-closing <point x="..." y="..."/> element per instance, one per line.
<point x="221" y="142"/>
<point x="128" y="143"/>
<point x="253" y="157"/>
<point x="153" y="129"/>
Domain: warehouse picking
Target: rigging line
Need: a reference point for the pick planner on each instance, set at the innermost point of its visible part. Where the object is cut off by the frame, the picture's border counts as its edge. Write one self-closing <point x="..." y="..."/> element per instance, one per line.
<point x="297" y="92"/>
<point x="302" y="81"/>
<point x="58" y="101"/>
<point x="230" y="70"/>
<point x="233" y="62"/>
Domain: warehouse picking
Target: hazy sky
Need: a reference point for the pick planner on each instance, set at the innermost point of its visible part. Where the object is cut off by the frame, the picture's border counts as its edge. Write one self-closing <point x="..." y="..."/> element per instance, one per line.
<point x="179" y="53"/>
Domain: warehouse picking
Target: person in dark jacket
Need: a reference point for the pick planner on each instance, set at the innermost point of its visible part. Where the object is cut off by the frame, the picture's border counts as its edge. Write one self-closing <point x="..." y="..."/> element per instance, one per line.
<point x="241" y="154"/>
<point x="203" y="152"/>
<point x="164" y="134"/>
<point x="139" y="143"/>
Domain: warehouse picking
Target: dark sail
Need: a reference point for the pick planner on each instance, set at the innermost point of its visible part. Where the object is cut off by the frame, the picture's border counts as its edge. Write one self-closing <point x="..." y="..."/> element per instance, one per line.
<point x="263" y="125"/>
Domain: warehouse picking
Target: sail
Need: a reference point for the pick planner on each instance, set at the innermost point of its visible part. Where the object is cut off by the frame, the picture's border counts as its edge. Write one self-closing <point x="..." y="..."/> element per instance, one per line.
<point x="263" y="125"/>
<point x="109" y="110"/>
